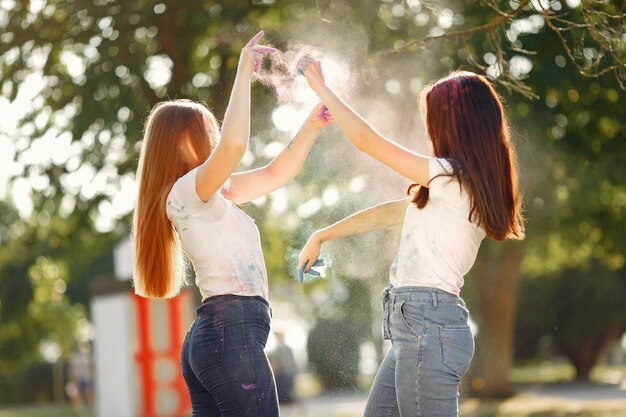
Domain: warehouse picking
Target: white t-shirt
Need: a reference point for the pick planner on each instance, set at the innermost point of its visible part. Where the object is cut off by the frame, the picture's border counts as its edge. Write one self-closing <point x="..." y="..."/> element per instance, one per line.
<point x="221" y="241"/>
<point x="439" y="244"/>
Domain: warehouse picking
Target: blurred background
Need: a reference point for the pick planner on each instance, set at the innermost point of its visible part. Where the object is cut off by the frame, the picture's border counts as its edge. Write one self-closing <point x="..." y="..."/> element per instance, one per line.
<point x="77" y="80"/>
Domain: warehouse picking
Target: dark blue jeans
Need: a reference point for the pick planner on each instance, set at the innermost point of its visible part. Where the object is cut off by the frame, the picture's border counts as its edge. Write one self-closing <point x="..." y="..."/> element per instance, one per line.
<point x="223" y="359"/>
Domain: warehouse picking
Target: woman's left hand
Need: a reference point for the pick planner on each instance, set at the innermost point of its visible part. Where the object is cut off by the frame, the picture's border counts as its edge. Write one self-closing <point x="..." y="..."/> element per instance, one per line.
<point x="320" y="116"/>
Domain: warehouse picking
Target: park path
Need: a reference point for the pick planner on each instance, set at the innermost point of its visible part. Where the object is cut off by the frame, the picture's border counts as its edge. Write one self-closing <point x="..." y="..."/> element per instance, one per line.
<point x="566" y="397"/>
<point x="328" y="405"/>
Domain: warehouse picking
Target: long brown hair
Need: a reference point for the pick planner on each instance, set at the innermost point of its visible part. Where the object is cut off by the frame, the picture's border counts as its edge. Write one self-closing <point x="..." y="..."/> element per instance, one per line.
<point x="179" y="135"/>
<point x="467" y="125"/>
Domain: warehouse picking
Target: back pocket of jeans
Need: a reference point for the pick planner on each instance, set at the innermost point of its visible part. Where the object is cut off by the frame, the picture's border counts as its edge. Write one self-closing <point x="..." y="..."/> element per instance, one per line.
<point x="457" y="344"/>
<point x="207" y="346"/>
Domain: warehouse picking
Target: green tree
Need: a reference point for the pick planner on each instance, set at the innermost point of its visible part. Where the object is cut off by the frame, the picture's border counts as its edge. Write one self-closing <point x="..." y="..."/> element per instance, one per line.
<point x="106" y="62"/>
<point x="334" y="342"/>
<point x="571" y="316"/>
<point x="103" y="65"/>
<point x="44" y="271"/>
<point x="576" y="207"/>
<point x="556" y="158"/>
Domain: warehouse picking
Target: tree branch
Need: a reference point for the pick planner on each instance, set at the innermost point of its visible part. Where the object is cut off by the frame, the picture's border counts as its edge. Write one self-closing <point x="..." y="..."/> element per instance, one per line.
<point x="492" y="24"/>
<point x="605" y="44"/>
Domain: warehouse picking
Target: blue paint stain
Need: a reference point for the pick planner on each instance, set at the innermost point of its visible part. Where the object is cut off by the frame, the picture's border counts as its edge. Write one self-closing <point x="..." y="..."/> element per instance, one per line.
<point x="311" y="271"/>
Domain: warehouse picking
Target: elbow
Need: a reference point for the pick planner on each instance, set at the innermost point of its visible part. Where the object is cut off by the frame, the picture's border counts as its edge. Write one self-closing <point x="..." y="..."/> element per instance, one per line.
<point x="275" y="176"/>
<point x="361" y="138"/>
<point x="360" y="142"/>
<point x="235" y="147"/>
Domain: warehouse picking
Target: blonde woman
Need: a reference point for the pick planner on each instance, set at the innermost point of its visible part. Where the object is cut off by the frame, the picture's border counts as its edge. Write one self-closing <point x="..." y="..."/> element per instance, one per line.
<point x="188" y="199"/>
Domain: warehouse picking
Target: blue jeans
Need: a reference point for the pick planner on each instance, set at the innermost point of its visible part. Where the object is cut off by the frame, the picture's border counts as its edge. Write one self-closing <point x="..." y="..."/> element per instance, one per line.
<point x="431" y="348"/>
<point x="223" y="359"/>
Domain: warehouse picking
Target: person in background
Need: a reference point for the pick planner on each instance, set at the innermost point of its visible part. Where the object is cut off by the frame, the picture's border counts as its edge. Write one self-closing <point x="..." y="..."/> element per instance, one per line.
<point x="285" y="369"/>
<point x="80" y="386"/>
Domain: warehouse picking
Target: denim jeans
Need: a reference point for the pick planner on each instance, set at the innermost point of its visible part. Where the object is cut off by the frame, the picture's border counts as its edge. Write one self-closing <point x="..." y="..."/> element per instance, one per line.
<point x="431" y="348"/>
<point x="223" y="359"/>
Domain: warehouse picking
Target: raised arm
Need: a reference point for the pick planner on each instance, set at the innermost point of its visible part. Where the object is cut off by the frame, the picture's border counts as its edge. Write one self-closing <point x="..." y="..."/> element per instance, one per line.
<point x="236" y="127"/>
<point x="402" y="160"/>
<point x="378" y="217"/>
<point x="246" y="186"/>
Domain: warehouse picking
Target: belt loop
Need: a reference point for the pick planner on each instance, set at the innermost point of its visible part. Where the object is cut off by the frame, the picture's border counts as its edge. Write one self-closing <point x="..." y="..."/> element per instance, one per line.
<point x="434" y="299"/>
<point x="387" y="300"/>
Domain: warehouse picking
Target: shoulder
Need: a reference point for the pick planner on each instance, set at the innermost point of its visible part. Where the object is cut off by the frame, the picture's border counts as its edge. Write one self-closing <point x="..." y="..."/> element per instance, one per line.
<point x="183" y="187"/>
<point x="444" y="182"/>
<point x="183" y="196"/>
<point x="440" y="166"/>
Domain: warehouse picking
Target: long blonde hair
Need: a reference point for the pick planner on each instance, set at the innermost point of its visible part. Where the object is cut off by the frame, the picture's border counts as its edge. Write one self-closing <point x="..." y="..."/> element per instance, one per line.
<point x="159" y="269"/>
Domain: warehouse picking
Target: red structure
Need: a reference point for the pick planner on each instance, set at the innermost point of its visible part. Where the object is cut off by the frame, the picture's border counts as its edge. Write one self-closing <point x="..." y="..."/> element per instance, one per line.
<point x="146" y="356"/>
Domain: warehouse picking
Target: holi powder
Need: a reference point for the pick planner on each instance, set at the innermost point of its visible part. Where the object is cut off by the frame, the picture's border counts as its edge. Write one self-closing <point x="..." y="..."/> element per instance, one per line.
<point x="295" y="100"/>
<point x="291" y="258"/>
<point x="291" y="87"/>
<point x="384" y="93"/>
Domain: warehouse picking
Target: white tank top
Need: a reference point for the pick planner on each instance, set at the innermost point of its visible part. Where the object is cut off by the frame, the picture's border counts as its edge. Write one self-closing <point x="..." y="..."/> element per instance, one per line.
<point x="221" y="241"/>
<point x="439" y="244"/>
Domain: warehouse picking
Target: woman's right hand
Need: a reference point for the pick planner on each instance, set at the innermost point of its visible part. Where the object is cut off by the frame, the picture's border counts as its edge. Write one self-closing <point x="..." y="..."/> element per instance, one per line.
<point x="309" y="253"/>
<point x="319" y="117"/>
<point x="251" y="56"/>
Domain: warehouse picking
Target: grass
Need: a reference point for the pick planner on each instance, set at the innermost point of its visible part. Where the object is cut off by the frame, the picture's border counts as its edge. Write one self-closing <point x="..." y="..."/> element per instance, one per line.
<point x="555" y="373"/>
<point x="608" y="374"/>
<point x="44" y="411"/>
<point x="532" y="407"/>
<point x="524" y="404"/>
<point x="514" y="407"/>
<point x="549" y="372"/>
<point x="543" y="373"/>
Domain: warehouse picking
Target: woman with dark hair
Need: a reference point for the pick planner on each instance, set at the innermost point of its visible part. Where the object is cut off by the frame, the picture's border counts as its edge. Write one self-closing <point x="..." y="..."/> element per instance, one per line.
<point x="188" y="199"/>
<point x="466" y="191"/>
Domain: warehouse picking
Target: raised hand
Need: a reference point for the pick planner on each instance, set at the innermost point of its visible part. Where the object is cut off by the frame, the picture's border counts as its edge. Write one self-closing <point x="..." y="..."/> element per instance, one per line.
<point x="251" y="57"/>
<point x="320" y="116"/>
<point x="311" y="68"/>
